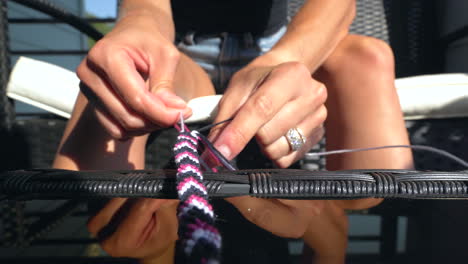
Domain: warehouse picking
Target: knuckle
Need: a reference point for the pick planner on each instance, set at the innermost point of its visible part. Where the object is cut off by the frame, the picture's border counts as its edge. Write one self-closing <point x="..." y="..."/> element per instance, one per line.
<point x="136" y="102"/>
<point x="114" y="132"/>
<point x="241" y="73"/>
<point x="297" y="232"/>
<point x="263" y="106"/>
<point x="321" y="93"/>
<point x="81" y="70"/>
<point x="110" y="247"/>
<point x="239" y="76"/>
<point x="113" y="58"/>
<point x="264" y="135"/>
<point x="239" y="137"/>
<point x="316" y="94"/>
<point x="92" y="228"/>
<point x="172" y="53"/>
<point x="282" y="163"/>
<point x="129" y="122"/>
<point x="322" y="114"/>
<point x="96" y="51"/>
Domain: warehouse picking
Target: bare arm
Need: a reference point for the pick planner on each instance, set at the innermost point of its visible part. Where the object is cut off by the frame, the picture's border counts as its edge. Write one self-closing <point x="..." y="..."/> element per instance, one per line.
<point x="160" y="10"/>
<point x="315" y="31"/>
<point x="311" y="37"/>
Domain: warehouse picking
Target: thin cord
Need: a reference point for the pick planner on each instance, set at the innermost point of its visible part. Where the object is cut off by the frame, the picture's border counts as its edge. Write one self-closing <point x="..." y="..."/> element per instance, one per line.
<point x="417" y="147"/>
<point x="216" y="154"/>
<point x="441" y="152"/>
<point x="213" y="125"/>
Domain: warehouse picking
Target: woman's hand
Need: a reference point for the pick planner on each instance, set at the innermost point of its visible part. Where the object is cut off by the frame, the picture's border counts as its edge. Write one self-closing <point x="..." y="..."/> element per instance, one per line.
<point x="128" y="76"/>
<point x="266" y="101"/>
<point x="137" y="228"/>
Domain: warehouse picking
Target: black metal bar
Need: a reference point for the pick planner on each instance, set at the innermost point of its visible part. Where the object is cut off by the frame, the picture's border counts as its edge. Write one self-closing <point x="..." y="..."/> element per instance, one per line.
<point x="49" y="184"/>
<point x="62" y="14"/>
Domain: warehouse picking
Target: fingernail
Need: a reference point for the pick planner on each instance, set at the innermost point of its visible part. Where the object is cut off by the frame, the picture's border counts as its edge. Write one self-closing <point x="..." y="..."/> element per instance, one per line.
<point x="224" y="149"/>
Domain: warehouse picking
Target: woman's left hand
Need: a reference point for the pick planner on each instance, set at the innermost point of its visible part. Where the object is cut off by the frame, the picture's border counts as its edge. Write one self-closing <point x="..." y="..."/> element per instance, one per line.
<point x="266" y="101"/>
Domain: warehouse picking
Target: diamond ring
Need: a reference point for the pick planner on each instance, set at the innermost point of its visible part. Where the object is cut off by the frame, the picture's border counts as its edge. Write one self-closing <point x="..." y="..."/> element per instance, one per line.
<point x="295" y="138"/>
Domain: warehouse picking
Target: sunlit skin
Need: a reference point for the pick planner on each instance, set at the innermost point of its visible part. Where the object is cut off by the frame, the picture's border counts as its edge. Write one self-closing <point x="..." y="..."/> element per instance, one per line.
<point x="142" y="83"/>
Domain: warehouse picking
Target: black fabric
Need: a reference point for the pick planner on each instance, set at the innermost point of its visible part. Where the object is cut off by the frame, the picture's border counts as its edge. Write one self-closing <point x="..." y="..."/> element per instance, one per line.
<point x="259" y="17"/>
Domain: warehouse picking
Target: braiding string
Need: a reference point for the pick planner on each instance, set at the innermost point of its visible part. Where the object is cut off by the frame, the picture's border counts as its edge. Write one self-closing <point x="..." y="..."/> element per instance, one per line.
<point x="199" y="239"/>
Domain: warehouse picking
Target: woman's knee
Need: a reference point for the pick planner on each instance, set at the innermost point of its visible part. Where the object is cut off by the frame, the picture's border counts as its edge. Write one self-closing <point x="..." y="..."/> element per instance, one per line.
<point x="361" y="54"/>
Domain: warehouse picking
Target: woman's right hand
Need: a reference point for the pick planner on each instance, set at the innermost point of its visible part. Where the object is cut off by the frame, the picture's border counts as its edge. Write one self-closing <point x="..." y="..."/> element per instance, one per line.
<point x="128" y="76"/>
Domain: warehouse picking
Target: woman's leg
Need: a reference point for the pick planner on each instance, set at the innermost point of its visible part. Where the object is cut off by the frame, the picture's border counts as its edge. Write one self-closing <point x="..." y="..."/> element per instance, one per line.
<point x="363" y="111"/>
<point x="363" y="108"/>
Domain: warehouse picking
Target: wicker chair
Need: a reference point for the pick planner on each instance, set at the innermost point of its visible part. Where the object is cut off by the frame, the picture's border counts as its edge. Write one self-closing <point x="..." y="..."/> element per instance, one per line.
<point x="408" y="26"/>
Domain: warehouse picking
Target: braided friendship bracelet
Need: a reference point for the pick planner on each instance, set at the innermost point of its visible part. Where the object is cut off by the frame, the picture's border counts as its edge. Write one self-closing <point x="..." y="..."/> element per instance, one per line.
<point x="199" y="240"/>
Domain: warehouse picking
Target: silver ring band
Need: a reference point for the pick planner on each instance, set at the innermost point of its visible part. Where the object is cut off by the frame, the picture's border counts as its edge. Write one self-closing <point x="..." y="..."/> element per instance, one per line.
<point x="295" y="138"/>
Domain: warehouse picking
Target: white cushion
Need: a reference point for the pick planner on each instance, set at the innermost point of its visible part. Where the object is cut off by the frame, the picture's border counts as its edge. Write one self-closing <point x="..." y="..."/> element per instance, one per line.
<point x="55" y="89"/>
<point x="434" y="96"/>
<point x="43" y="85"/>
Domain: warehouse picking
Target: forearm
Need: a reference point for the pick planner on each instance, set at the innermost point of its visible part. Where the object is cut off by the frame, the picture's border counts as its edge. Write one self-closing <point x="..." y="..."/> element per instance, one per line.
<point x="160" y="10"/>
<point x="314" y="32"/>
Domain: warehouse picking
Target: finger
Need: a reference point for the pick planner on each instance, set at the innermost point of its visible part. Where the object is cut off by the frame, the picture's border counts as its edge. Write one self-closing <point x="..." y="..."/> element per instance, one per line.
<point x="272" y="215"/>
<point x="131" y="87"/>
<point x="238" y="92"/>
<point x="111" y="126"/>
<point x="292" y="157"/>
<point x="103" y="217"/>
<point x="103" y="96"/>
<point x="311" y="128"/>
<point x="166" y="218"/>
<point x="135" y="227"/>
<point x="289" y="159"/>
<point x="115" y="130"/>
<point x="292" y="114"/>
<point x="261" y="107"/>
